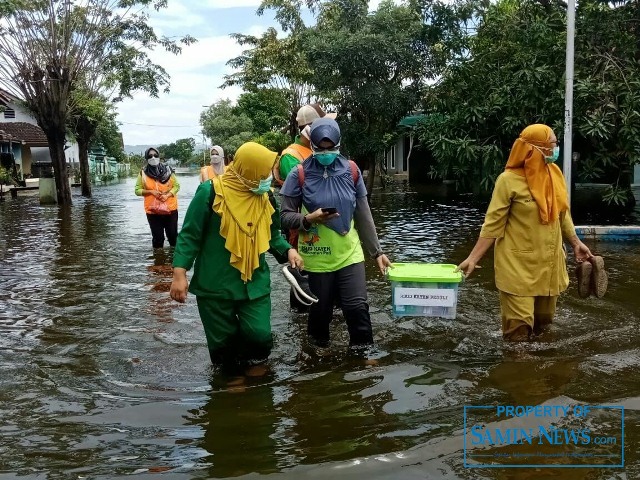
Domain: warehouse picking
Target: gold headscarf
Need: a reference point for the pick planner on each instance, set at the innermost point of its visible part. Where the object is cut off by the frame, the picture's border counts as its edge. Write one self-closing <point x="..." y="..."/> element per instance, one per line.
<point x="246" y="217"/>
<point x="545" y="180"/>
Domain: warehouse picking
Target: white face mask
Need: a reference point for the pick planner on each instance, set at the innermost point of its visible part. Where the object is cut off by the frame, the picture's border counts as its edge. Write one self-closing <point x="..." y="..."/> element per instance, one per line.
<point x="306" y="132"/>
<point x="217" y="159"/>
<point x="153" y="161"/>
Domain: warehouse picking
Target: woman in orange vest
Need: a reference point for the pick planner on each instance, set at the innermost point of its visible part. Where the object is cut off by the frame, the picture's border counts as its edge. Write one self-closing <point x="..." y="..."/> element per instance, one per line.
<point x="159" y="187"/>
<point x="216" y="167"/>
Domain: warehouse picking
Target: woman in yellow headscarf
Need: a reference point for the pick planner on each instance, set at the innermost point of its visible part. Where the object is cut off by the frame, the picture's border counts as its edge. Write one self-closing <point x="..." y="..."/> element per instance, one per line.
<point x="229" y="225"/>
<point x="527" y="219"/>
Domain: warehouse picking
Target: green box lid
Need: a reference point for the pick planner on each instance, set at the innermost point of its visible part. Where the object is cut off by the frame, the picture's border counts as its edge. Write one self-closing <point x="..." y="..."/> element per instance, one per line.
<point x="424" y="272"/>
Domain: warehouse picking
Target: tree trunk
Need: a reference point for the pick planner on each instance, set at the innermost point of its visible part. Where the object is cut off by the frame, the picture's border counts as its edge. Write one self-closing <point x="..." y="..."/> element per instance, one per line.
<point x="371" y="177"/>
<point x="83" y="158"/>
<point x="56" y="141"/>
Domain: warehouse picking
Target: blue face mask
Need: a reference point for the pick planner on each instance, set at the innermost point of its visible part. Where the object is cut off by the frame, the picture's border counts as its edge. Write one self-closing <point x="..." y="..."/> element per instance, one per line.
<point x="326" y="158"/>
<point x="554" y="156"/>
<point x="263" y="187"/>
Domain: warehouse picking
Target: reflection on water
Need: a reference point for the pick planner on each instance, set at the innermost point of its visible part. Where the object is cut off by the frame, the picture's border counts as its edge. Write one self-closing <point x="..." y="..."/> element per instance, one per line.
<point x="103" y="376"/>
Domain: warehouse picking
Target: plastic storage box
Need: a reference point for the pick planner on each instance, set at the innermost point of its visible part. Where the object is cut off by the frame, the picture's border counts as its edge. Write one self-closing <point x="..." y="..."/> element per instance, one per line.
<point x="424" y="289"/>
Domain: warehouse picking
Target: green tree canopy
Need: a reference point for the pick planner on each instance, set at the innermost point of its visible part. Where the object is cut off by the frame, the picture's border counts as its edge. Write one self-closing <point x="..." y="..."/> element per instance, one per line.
<point x="513" y="76"/>
<point x="181" y="149"/>
<point x="226" y="127"/>
<point x="267" y="108"/>
<point x="108" y="134"/>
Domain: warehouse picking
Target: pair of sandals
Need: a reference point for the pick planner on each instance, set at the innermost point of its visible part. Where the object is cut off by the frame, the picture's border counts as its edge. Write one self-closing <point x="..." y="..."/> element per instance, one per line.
<point x="300" y="285"/>
<point x="592" y="278"/>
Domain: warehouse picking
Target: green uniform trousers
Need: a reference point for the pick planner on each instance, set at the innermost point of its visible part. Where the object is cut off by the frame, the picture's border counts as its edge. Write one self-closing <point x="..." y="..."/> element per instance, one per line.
<point x="523" y="315"/>
<point x="237" y="330"/>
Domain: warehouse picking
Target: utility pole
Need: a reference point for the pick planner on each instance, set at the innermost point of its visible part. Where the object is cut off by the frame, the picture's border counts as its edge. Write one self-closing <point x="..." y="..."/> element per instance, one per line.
<point x="568" y="97"/>
<point x="204" y="151"/>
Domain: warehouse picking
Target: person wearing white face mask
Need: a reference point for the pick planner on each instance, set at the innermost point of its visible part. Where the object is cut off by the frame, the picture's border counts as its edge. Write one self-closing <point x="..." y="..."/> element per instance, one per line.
<point x="216" y="167"/>
<point x="159" y="187"/>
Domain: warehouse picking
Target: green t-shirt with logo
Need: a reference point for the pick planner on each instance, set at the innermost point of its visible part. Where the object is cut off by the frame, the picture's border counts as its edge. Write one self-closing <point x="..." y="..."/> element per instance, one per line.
<point x="324" y="250"/>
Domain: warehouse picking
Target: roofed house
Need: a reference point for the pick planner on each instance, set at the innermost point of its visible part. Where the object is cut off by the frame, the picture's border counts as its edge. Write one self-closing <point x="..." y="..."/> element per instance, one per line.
<point x="17" y="139"/>
<point x="22" y="136"/>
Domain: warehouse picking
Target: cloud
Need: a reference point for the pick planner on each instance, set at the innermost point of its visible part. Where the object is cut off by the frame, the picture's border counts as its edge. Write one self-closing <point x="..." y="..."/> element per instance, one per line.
<point x="175" y="115"/>
<point x="196" y="76"/>
<point x="176" y="16"/>
<point x="205" y="52"/>
<point x="197" y="73"/>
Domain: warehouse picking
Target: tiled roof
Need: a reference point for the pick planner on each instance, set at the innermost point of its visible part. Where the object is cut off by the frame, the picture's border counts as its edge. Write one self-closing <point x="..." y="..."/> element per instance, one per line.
<point x="7" y="97"/>
<point x="32" y="135"/>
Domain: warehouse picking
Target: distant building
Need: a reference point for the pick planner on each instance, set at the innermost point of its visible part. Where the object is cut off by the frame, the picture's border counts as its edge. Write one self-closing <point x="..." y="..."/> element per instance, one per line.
<point x="397" y="158"/>
<point x="22" y="136"/>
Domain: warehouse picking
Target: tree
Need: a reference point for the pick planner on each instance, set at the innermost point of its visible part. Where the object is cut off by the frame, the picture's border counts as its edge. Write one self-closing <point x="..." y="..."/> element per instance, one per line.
<point x="108" y="135"/>
<point x="513" y="76"/>
<point x="181" y="150"/>
<point x="225" y="127"/>
<point x="276" y="141"/>
<point x="50" y="47"/>
<point x="88" y="112"/>
<point x="277" y="64"/>
<point x="137" y="162"/>
<point x="370" y="66"/>
<point x="267" y="108"/>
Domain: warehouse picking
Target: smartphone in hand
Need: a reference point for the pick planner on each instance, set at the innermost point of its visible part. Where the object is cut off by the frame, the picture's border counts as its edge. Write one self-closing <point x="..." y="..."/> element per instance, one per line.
<point x="329" y="210"/>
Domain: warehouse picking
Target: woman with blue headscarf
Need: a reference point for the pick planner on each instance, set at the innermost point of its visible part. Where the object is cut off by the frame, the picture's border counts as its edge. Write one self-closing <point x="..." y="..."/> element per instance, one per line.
<point x="325" y="199"/>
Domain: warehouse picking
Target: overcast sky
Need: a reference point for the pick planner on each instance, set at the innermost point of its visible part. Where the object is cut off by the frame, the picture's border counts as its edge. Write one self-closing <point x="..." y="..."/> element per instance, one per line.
<point x="196" y="74"/>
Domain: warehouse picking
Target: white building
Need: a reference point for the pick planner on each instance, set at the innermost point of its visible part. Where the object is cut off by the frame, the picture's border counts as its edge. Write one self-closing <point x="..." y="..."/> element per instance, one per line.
<point x="18" y="124"/>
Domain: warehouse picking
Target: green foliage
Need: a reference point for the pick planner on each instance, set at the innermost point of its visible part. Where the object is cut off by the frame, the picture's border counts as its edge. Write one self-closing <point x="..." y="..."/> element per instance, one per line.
<point x="225" y="127"/>
<point x="267" y="108"/>
<point x="199" y="158"/>
<point x="513" y="76"/>
<point x="137" y="162"/>
<point x="371" y="67"/>
<point x="368" y="66"/>
<point x="273" y="63"/>
<point x="5" y="176"/>
<point x="480" y="105"/>
<point x="107" y="177"/>
<point x="276" y="141"/>
<point x="108" y="134"/>
<point x="616" y="195"/>
<point x="181" y="149"/>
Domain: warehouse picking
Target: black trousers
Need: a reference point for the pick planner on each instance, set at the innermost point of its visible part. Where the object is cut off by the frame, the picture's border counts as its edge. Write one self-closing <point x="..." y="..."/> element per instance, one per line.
<point x="163" y="223"/>
<point x="349" y="286"/>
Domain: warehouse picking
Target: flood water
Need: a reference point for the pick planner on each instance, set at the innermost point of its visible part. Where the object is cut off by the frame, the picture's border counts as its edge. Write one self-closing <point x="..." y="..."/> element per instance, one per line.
<point x="103" y="376"/>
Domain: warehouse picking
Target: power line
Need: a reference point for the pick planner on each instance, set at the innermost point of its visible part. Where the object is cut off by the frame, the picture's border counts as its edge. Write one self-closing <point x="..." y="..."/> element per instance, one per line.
<point x="169" y="126"/>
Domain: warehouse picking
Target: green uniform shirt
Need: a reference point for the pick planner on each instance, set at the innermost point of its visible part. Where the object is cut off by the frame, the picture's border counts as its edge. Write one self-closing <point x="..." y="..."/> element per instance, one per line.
<point x="200" y="241"/>
<point x="288" y="162"/>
